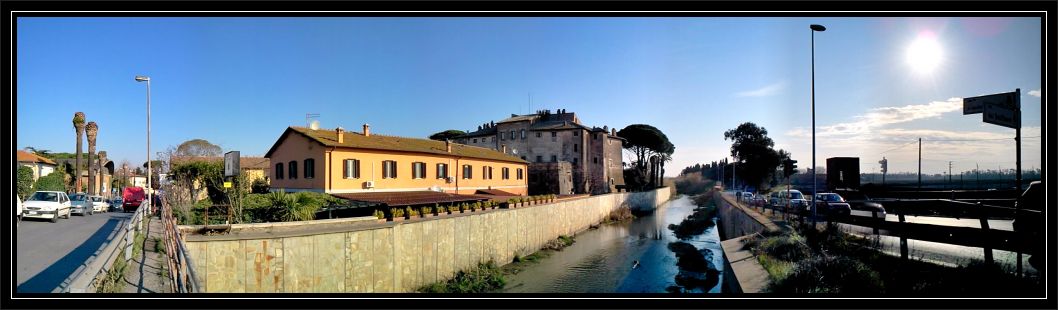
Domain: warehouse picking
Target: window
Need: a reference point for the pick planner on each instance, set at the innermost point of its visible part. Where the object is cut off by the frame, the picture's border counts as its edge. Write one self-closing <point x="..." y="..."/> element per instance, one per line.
<point x="595" y="136"/>
<point x="539" y="159"/>
<point x="442" y="171"/>
<point x="418" y="170"/>
<point x="554" y="158"/>
<point x="279" y="171"/>
<point x="512" y="135"/>
<point x="576" y="133"/>
<point x="537" y="134"/>
<point x="576" y="148"/>
<point x="389" y="169"/>
<point x="520" y="176"/>
<point x="554" y="136"/>
<point x="293" y="169"/>
<point x="503" y="136"/>
<point x="468" y="172"/>
<point x="523" y="134"/>
<point x="574" y="160"/>
<point x="486" y="173"/>
<point x="523" y="157"/>
<point x="351" y="169"/>
<point x="595" y="160"/>
<point x="475" y="140"/>
<point x="506" y="173"/>
<point x="310" y="168"/>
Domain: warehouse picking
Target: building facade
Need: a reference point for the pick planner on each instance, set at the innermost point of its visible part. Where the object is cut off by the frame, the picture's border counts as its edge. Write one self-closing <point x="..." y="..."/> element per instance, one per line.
<point x="339" y="162"/>
<point x="41" y="166"/>
<point x="594" y="153"/>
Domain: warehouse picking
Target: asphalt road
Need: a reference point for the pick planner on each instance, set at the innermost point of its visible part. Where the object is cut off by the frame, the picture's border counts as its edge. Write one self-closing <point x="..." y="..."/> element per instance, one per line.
<point x="48" y="253"/>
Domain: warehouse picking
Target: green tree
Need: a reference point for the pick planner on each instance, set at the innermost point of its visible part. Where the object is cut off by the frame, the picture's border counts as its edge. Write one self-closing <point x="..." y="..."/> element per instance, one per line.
<point x="25" y="181"/>
<point x="645" y="142"/>
<point x="51" y="182"/>
<point x="38" y="152"/>
<point x="755" y="158"/>
<point x="198" y="147"/>
<point x="447" y="135"/>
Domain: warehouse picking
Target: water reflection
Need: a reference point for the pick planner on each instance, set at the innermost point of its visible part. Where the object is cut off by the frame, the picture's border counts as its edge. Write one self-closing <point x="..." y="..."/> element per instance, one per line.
<point x="601" y="260"/>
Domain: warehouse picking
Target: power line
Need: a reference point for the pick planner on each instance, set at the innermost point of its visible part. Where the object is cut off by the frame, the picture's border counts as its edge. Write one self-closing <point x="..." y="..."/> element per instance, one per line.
<point x="993" y="139"/>
<point x="902" y="145"/>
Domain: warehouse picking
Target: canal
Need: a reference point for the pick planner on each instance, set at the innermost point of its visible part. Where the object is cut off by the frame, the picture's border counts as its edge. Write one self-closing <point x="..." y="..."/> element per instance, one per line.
<point x="601" y="260"/>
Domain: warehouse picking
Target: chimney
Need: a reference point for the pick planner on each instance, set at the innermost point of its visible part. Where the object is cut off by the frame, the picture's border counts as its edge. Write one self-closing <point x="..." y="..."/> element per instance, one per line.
<point x="605" y="128"/>
<point x="367" y="130"/>
<point x="341" y="134"/>
<point x="504" y="148"/>
<point x="448" y="145"/>
<point x="613" y="131"/>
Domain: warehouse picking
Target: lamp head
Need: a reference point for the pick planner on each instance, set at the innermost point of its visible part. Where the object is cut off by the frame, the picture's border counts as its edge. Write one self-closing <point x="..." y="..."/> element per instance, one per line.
<point x="816" y="27"/>
<point x="140" y="78"/>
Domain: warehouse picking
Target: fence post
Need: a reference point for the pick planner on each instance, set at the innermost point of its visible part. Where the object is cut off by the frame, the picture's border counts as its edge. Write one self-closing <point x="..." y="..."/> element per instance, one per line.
<point x="984" y="226"/>
<point x="903" y="238"/>
<point x="874" y="215"/>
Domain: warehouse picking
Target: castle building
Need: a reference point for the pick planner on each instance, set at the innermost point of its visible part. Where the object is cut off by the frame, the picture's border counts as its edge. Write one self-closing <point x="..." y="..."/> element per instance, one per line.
<point x="544" y="139"/>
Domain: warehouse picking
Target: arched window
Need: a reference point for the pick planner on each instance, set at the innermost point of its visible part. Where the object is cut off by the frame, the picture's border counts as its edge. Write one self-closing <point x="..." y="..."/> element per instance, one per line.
<point x="293" y="169"/>
<point x="279" y="171"/>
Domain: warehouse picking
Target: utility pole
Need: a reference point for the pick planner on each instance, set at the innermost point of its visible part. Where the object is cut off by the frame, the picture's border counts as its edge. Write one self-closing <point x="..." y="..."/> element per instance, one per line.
<point x="949" y="172"/>
<point x="978" y="172"/>
<point x="1017" y="133"/>
<point x="919" y="163"/>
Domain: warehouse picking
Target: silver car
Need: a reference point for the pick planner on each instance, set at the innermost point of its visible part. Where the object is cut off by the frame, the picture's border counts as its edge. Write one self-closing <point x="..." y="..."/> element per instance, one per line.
<point x="81" y="204"/>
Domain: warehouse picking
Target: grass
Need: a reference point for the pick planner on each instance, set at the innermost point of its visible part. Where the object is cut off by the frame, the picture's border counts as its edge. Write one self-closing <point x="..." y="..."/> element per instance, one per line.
<point x="159" y="247"/>
<point x="137" y="244"/>
<point x="622" y="214"/>
<point x="486" y="277"/>
<point x="113" y="281"/>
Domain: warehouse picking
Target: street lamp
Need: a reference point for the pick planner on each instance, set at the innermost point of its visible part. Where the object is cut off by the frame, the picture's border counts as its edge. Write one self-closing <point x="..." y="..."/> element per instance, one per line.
<point x="140" y="78"/>
<point x="814" y="28"/>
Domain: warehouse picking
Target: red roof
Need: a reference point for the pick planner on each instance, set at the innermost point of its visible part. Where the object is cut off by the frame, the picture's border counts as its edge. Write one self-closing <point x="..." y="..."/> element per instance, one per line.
<point x="409" y="198"/>
<point x="495" y="192"/>
<point x="27" y="157"/>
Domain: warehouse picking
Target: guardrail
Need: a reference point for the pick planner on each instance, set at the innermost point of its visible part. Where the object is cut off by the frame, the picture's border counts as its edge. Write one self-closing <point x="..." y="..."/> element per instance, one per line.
<point x="182" y="278"/>
<point x="95" y="269"/>
<point x="983" y="237"/>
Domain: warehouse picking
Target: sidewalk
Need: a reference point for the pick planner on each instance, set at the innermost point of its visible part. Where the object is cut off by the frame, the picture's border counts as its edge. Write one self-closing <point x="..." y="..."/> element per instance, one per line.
<point x="146" y="270"/>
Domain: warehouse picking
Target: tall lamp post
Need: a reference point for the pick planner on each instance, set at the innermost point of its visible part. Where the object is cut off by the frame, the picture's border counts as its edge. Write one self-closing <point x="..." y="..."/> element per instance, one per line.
<point x="140" y="78"/>
<point x="814" y="28"/>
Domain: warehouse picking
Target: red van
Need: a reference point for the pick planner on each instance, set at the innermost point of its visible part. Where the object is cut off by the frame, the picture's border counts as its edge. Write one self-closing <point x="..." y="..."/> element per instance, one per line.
<point x="132" y="197"/>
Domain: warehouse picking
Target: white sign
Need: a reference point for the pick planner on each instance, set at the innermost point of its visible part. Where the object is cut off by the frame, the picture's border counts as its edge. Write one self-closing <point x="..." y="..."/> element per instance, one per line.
<point x="231" y="164"/>
<point x="1001" y="115"/>
<point x="974" y="105"/>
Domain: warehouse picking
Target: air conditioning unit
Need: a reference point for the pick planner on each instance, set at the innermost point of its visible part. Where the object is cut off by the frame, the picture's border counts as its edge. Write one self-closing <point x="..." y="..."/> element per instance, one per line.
<point x="450" y="179"/>
<point x="369" y="184"/>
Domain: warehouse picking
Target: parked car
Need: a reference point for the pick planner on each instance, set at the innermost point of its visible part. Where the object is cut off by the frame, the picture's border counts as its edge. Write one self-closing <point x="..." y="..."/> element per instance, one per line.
<point x="746" y="197"/>
<point x="831" y="204"/>
<point x="858" y="201"/>
<point x="794" y="198"/>
<point x="115" y="204"/>
<point x="81" y="204"/>
<point x="759" y="201"/>
<point x="1029" y="221"/>
<point x="132" y="197"/>
<point x="99" y="204"/>
<point x="48" y="205"/>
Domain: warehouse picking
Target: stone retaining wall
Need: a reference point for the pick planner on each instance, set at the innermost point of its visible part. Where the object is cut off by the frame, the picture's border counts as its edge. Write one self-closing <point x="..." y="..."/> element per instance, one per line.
<point x="393" y="257"/>
<point x="742" y="272"/>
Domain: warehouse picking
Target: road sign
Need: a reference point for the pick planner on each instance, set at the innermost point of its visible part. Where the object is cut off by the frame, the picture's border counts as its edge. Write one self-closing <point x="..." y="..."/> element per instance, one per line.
<point x="974" y="105"/>
<point x="227" y="184"/>
<point x="1002" y="115"/>
<point x="231" y="164"/>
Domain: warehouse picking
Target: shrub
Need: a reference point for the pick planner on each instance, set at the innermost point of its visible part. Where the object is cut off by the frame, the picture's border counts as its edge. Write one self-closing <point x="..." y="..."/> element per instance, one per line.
<point x="51" y="182"/>
<point x="396" y="213"/>
<point x="379" y="214"/>
<point x="437" y="209"/>
<point x="25" y="181"/>
<point x="259" y="186"/>
<point x="831" y="274"/>
<point x="425" y="210"/>
<point x="486" y="277"/>
<point x="512" y="201"/>
<point x="453" y="208"/>
<point x="410" y="212"/>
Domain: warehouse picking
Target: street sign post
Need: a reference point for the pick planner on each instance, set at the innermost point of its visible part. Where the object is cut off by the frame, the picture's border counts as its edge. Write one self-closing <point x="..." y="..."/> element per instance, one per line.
<point x="1003" y="109"/>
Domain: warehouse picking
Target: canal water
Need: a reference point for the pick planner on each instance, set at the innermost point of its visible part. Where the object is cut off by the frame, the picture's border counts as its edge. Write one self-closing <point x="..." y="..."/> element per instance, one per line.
<point x="601" y="260"/>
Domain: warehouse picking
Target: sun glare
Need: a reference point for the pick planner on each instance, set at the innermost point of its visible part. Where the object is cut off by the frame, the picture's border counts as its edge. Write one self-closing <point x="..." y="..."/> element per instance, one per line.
<point x="924" y="54"/>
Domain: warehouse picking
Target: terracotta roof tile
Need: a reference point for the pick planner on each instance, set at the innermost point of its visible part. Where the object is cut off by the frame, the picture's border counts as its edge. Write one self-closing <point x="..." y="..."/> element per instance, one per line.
<point x="27" y="157"/>
<point x="329" y="137"/>
<point x="394" y="199"/>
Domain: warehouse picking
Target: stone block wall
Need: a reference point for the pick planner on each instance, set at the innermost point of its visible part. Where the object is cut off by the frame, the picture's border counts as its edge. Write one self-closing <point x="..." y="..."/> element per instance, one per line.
<point x="396" y="257"/>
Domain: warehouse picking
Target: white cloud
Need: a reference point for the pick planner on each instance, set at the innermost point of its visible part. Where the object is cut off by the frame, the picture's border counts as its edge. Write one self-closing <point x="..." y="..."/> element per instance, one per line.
<point x="878" y="117"/>
<point x="764" y="91"/>
<point x="1035" y="93"/>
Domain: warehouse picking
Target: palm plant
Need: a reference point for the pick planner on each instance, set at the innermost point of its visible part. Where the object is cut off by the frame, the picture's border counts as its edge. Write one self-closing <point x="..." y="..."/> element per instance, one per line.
<point x="78" y="126"/>
<point x="92" y="130"/>
<point x="292" y="207"/>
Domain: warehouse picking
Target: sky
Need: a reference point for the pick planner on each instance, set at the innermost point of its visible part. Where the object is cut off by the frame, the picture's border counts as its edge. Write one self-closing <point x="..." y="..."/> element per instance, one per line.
<point x="239" y="82"/>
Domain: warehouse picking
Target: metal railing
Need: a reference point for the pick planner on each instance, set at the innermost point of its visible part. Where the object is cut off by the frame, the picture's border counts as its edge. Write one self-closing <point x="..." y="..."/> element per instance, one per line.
<point x="182" y="277"/>
<point x="89" y="277"/>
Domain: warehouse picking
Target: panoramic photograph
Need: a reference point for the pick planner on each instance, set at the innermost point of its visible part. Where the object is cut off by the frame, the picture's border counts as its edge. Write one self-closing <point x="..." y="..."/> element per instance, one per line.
<point x="439" y="157"/>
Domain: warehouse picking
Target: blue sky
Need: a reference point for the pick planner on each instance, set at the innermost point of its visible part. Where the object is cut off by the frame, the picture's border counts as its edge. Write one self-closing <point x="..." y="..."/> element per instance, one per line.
<point x="239" y="82"/>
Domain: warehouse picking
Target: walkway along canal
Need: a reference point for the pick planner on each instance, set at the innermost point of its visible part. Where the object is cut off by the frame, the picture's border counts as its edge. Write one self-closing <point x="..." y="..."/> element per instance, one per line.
<point x="601" y="260"/>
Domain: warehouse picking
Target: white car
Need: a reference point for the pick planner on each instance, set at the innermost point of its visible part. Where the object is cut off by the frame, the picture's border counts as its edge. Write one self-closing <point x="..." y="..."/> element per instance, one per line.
<point x="81" y="204"/>
<point x="47" y="205"/>
<point x="99" y="204"/>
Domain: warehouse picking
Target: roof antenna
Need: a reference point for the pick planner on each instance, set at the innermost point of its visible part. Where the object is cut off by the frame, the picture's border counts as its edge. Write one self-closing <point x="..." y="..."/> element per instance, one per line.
<point x="530" y="103"/>
<point x="310" y="120"/>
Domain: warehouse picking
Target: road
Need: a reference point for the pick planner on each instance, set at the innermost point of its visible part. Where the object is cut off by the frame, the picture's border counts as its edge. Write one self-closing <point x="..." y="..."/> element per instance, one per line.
<point x="48" y="253"/>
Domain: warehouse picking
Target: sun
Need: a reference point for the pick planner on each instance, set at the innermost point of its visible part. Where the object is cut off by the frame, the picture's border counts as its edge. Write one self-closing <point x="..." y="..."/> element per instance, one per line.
<point x="924" y="55"/>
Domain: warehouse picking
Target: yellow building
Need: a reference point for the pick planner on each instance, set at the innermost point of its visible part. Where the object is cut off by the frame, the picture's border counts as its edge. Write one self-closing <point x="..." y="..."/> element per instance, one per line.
<point x="338" y="162"/>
